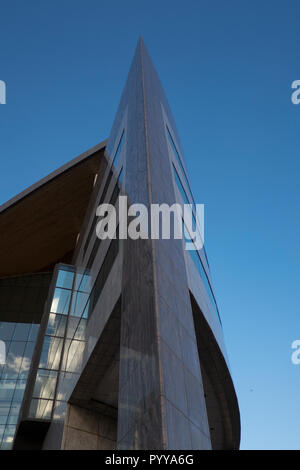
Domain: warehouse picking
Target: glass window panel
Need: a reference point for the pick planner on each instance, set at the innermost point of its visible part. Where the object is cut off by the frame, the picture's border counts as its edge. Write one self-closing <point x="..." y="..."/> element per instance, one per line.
<point x="56" y="325"/>
<point x="7" y="388"/>
<point x="72" y="326"/>
<point x="80" y="331"/>
<point x="85" y="284"/>
<point x="180" y="187"/>
<point x="93" y="253"/>
<point x="4" y="410"/>
<point x="12" y="419"/>
<point x="3" y="420"/>
<point x="2" y="429"/>
<point x="82" y="282"/>
<point x="40" y="408"/>
<point x="6" y="446"/>
<point x="107" y="264"/>
<point x="59" y="412"/>
<point x="61" y="300"/>
<point x="45" y="384"/>
<point x="15" y="408"/>
<point x="86" y="310"/>
<point x="51" y="353"/>
<point x="175" y="151"/>
<point x="29" y="349"/>
<point x="19" y="391"/>
<point x="79" y="301"/>
<point x="8" y="437"/>
<point x="65" y="279"/>
<point x="14" y="360"/>
<point x="25" y="366"/>
<point x="33" y="332"/>
<point x="78" y="281"/>
<point x="121" y="176"/>
<point x="75" y="355"/>
<point x="14" y="413"/>
<point x="21" y="332"/>
<point x="45" y="352"/>
<point x="66" y="383"/>
<point x="198" y="263"/>
<point x="66" y="353"/>
<point x="89" y="237"/>
<point x="6" y="330"/>
<point x="118" y="151"/>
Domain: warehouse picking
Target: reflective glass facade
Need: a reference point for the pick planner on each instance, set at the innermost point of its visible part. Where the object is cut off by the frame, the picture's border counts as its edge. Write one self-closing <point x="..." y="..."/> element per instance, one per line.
<point x="20" y="340"/>
<point x="194" y="254"/>
<point x="41" y="406"/>
<point x="21" y="298"/>
<point x="107" y="184"/>
<point x="178" y="158"/>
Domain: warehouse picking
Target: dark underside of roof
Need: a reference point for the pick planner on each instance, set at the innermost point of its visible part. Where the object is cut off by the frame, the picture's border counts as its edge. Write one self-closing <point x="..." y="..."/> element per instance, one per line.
<point x="39" y="227"/>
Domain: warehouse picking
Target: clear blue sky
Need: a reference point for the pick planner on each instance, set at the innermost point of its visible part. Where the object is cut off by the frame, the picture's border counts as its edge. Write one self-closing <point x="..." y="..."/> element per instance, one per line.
<point x="227" y="68"/>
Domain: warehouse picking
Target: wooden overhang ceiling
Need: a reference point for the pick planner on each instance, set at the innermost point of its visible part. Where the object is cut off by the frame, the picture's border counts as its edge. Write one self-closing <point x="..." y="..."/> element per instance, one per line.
<point x="39" y="226"/>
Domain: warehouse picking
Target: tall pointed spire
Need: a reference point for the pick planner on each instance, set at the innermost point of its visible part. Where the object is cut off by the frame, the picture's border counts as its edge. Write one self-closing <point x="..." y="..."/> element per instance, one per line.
<point x="157" y="380"/>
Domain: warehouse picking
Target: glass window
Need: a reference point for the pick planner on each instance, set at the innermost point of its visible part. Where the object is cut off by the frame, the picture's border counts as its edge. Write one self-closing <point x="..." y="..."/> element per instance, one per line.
<point x="118" y="151"/>
<point x="198" y="263"/>
<point x="4" y="411"/>
<point x="65" y="278"/>
<point x="8" y="437"/>
<point x="61" y="300"/>
<point x="26" y="361"/>
<point x="56" y="325"/>
<point x="79" y="301"/>
<point x="175" y="151"/>
<point x="93" y="226"/>
<point x="107" y="264"/>
<point x="59" y="410"/>
<point x="33" y="332"/>
<point x="21" y="331"/>
<point x="82" y="282"/>
<point x="98" y="241"/>
<point x="121" y="175"/>
<point x="73" y="358"/>
<point x="6" y="330"/>
<point x="19" y="391"/>
<point x="14" y="413"/>
<point x="2" y="428"/>
<point x="180" y="187"/>
<point x="80" y="331"/>
<point x="51" y="353"/>
<point x="45" y="384"/>
<point x="40" y="409"/>
<point x="7" y="388"/>
<point x="14" y="360"/>
<point x="12" y="419"/>
<point x="20" y="341"/>
<point x="72" y="326"/>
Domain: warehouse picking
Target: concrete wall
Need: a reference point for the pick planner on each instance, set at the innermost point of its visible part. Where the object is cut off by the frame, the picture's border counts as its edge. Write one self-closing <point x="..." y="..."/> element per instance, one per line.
<point x="88" y="430"/>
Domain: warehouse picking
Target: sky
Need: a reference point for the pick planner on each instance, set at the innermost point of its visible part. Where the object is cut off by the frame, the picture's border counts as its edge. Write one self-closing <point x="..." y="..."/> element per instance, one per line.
<point x="227" y="69"/>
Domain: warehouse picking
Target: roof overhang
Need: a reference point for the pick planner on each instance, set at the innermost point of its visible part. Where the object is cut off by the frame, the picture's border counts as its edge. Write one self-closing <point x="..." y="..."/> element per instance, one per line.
<point x="39" y="226"/>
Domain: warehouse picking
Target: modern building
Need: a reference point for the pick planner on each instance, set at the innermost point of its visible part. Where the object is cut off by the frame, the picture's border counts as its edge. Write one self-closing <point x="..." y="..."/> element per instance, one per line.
<point x="111" y="344"/>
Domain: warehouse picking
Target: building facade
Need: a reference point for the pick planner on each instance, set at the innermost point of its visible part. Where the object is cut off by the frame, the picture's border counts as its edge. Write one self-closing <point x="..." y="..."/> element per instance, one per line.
<point x="115" y="343"/>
